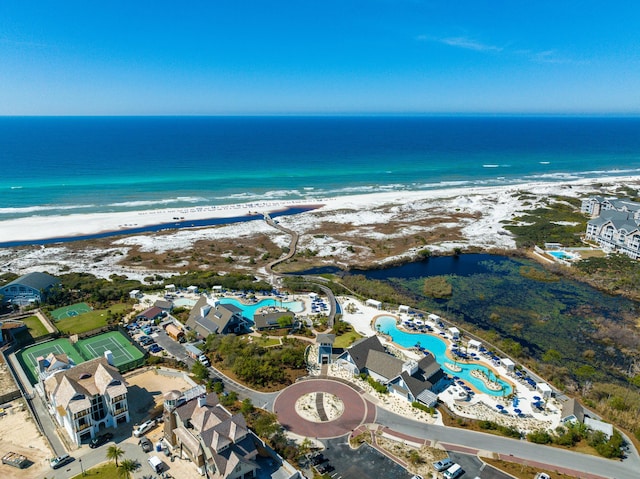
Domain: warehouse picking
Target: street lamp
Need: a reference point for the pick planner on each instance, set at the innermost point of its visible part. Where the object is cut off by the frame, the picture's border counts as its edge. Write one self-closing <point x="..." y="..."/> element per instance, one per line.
<point x="81" y="468"/>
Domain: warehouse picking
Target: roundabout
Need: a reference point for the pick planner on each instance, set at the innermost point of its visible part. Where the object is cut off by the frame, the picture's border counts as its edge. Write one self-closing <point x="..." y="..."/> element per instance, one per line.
<point x="305" y="408"/>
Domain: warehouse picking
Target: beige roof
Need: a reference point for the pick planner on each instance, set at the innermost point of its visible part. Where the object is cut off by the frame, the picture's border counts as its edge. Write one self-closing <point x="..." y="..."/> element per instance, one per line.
<point x="189" y="440"/>
<point x="86" y="379"/>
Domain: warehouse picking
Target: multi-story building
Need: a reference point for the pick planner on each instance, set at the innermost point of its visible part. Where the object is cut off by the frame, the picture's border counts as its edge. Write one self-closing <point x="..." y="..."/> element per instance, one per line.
<point x="28" y="289"/>
<point x="219" y="443"/>
<point x="615" y="226"/>
<point x="86" y="398"/>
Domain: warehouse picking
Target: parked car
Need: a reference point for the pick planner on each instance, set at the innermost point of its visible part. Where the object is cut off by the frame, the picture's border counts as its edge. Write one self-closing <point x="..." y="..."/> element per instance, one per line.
<point x="60" y="461"/>
<point x="443" y="464"/>
<point x="144" y="427"/>
<point x="145" y="444"/>
<point x="100" y="440"/>
<point x="155" y="348"/>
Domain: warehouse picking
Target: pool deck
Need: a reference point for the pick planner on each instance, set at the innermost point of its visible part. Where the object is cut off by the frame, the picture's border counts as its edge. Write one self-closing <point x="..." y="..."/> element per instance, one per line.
<point x="479" y="405"/>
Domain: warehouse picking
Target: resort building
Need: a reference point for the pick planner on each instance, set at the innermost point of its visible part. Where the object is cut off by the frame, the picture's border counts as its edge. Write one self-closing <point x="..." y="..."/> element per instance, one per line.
<point x="615" y="231"/>
<point x="264" y="320"/>
<point x="209" y="316"/>
<point x="325" y="348"/>
<point x="150" y="314"/>
<point x="412" y="380"/>
<point x="218" y="443"/>
<point x="86" y="398"/>
<point x="596" y="205"/>
<point x="28" y="289"/>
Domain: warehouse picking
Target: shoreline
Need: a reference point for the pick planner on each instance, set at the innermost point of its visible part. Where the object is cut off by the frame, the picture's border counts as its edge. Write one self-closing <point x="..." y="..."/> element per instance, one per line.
<point x="35" y="230"/>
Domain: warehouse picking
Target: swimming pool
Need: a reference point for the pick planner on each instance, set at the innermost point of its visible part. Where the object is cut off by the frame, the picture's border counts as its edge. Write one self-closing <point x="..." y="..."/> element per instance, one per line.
<point x="438" y="347"/>
<point x="248" y="310"/>
<point x="563" y="254"/>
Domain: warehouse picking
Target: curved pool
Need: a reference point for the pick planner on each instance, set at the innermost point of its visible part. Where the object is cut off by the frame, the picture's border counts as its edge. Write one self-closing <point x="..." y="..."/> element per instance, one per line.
<point x="438" y="347"/>
<point x="248" y="310"/>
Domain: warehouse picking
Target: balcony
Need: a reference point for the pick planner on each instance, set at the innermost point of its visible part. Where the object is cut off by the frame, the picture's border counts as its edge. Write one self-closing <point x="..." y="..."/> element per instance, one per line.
<point x="82" y="428"/>
<point x="117" y="412"/>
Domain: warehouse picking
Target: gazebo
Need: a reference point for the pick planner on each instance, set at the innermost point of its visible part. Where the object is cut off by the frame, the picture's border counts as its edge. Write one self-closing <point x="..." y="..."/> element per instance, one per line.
<point x="474" y="344"/>
<point x="374" y="303"/>
<point x="508" y="364"/>
<point x="455" y="332"/>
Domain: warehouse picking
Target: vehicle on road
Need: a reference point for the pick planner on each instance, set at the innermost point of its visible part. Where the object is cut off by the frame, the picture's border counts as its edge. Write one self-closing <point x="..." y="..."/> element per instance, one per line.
<point x="144" y="427"/>
<point x="60" y="461"/>
<point x="442" y="464"/>
<point x="145" y="444"/>
<point x="16" y="460"/>
<point x="100" y="440"/>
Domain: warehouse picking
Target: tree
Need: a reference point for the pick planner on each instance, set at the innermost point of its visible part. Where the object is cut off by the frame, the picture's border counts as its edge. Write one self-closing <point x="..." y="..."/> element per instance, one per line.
<point x="126" y="468"/>
<point x="114" y="453"/>
<point x="246" y="407"/>
<point x="285" y="321"/>
<point x="200" y="371"/>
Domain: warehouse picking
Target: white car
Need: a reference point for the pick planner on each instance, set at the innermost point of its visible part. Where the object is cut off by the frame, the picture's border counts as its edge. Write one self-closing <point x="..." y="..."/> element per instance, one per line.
<point x="144" y="427"/>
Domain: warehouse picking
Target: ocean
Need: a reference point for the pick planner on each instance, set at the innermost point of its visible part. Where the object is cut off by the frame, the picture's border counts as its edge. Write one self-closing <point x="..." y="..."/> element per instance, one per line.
<point x="63" y="165"/>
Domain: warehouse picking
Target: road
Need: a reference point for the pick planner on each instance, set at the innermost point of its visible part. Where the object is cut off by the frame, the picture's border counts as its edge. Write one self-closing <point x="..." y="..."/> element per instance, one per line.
<point x="259" y="399"/>
<point x="511" y="447"/>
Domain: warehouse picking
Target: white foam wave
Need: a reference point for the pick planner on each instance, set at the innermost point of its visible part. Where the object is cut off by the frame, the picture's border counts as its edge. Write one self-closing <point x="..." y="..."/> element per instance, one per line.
<point x="167" y="201"/>
<point x="40" y="208"/>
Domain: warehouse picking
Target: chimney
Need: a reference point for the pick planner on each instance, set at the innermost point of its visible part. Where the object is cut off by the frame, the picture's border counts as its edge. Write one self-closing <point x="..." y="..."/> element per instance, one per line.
<point x="109" y="357"/>
<point x="202" y="401"/>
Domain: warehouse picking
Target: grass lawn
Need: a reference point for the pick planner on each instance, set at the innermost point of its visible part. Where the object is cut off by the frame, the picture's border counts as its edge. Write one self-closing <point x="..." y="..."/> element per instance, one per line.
<point x="105" y="471"/>
<point x="35" y="326"/>
<point x="92" y="320"/>
<point x="347" y="339"/>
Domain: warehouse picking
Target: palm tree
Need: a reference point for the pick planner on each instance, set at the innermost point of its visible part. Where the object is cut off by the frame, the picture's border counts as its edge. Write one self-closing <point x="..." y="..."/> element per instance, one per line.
<point x="114" y="453"/>
<point x="126" y="468"/>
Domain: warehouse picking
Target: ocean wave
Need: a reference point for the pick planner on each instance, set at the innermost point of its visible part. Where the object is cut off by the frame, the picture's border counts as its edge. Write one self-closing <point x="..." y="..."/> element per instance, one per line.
<point x="179" y="199"/>
<point x="40" y="208"/>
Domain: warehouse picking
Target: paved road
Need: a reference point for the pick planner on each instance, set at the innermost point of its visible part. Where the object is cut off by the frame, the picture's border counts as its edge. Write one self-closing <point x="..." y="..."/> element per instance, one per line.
<point x="523" y="449"/>
<point x="259" y="399"/>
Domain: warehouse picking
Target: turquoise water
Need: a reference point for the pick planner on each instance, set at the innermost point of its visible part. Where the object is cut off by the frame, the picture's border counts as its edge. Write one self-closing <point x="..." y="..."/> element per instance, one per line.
<point x="435" y="345"/>
<point x="561" y="254"/>
<point x="248" y="310"/>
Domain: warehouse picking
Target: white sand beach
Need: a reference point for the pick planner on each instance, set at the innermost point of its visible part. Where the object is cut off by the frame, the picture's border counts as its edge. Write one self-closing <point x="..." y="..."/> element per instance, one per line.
<point x="479" y="213"/>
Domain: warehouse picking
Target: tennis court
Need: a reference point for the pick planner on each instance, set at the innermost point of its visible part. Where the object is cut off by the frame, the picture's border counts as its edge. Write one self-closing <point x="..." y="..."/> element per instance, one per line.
<point x="123" y="351"/>
<point x="71" y="310"/>
<point x="125" y="355"/>
<point x="28" y="357"/>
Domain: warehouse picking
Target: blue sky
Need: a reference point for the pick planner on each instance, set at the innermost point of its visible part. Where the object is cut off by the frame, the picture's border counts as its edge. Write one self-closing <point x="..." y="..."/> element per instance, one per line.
<point x="346" y="56"/>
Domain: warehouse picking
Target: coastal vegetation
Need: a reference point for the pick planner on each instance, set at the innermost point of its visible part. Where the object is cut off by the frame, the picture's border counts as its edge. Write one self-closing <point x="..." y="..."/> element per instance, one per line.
<point x="261" y="368"/>
<point x="583" y="341"/>
<point x="559" y="220"/>
<point x="437" y="287"/>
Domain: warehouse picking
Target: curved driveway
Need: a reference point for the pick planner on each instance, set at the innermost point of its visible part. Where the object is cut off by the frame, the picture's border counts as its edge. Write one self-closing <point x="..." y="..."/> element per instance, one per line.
<point x="356" y="409"/>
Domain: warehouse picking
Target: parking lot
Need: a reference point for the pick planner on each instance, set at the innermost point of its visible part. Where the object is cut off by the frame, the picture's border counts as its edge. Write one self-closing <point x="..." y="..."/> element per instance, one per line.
<point x="474" y="467"/>
<point x="365" y="461"/>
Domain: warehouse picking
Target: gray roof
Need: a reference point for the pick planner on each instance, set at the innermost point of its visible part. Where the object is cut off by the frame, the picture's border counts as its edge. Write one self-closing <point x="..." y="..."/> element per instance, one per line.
<point x="359" y="351"/>
<point x="619" y="219"/>
<point x="572" y="408"/>
<point x="270" y="320"/>
<point x="35" y="280"/>
<point x="325" y="338"/>
<point x="217" y="319"/>
<point x="384" y="364"/>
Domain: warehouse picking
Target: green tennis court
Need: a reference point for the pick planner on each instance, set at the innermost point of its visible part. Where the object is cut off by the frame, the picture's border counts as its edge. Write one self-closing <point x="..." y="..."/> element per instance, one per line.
<point x="28" y="357"/>
<point x="124" y="353"/>
<point x="71" y="310"/>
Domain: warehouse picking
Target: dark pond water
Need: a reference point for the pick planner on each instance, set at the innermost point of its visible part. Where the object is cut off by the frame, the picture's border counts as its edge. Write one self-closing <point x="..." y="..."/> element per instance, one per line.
<point x="495" y="293"/>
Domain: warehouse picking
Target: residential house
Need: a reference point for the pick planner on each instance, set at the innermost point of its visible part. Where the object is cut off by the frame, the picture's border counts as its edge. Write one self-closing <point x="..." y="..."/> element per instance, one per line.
<point x="28" y="289"/>
<point x="218" y="443"/>
<point x="209" y="316"/>
<point x="86" y="398"/>
<point x="164" y="305"/>
<point x="413" y="380"/>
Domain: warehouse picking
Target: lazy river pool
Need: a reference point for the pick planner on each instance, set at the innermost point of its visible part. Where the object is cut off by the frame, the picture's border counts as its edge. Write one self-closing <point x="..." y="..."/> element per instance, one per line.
<point x="438" y="347"/>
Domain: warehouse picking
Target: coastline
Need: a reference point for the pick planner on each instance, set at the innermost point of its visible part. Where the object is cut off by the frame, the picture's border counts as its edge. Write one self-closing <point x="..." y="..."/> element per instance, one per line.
<point x="344" y="231"/>
<point x="37" y="228"/>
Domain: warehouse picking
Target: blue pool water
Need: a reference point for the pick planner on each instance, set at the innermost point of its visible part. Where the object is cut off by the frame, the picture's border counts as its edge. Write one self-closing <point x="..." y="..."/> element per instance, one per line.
<point x="561" y="254"/>
<point x="248" y="310"/>
<point x="435" y="345"/>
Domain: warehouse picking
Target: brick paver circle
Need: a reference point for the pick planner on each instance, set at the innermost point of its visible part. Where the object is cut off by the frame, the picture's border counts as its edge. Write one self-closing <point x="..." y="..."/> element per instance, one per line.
<point x="355" y="409"/>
